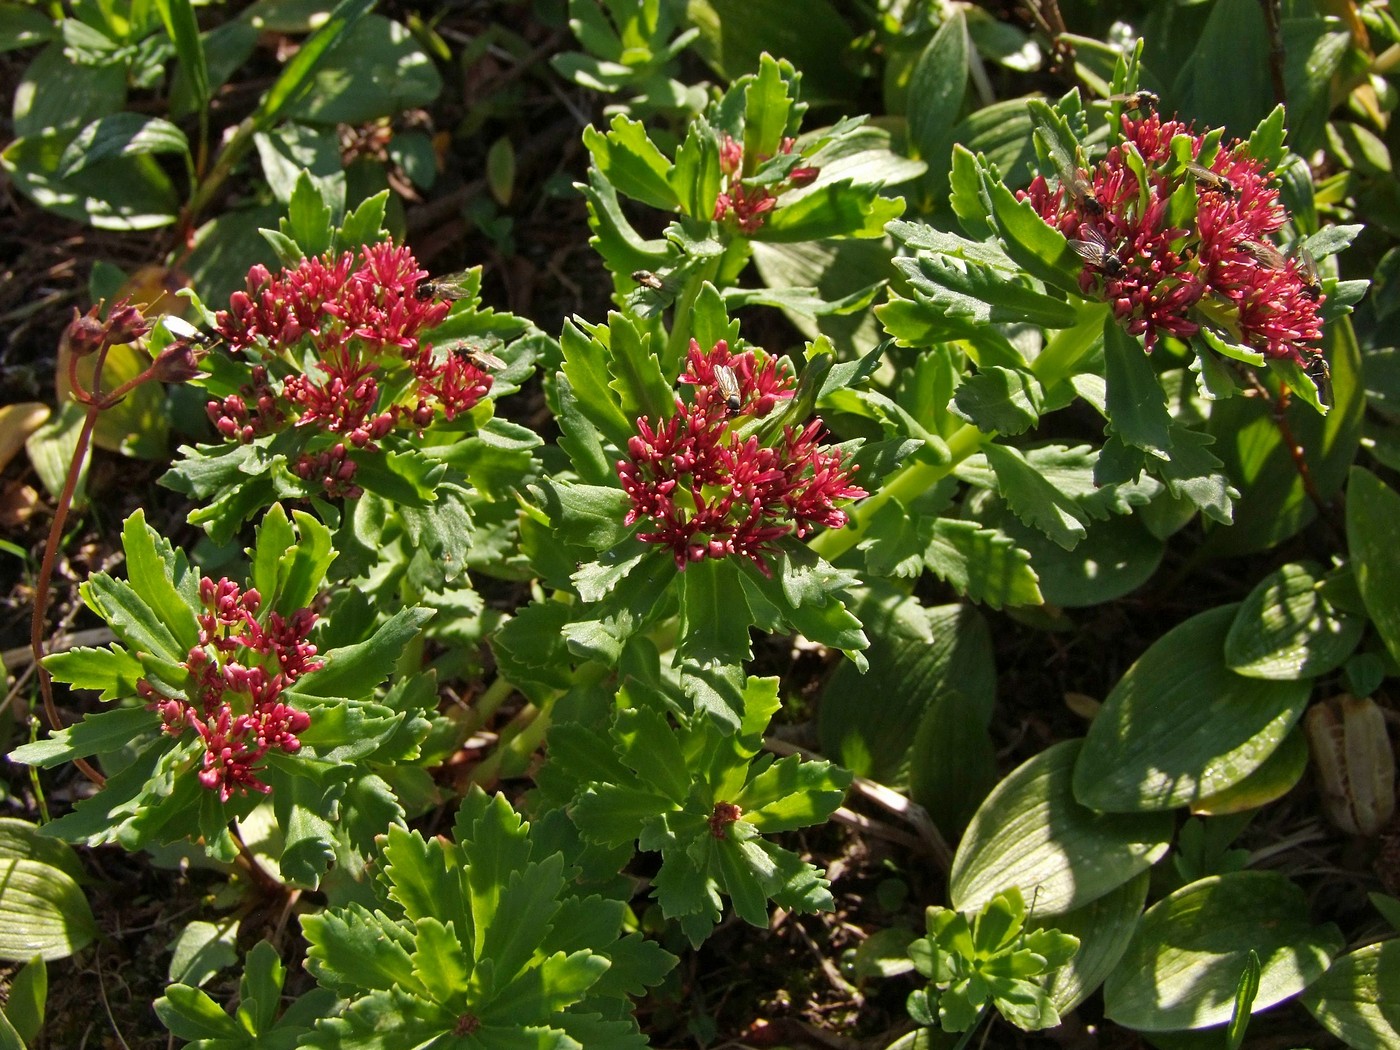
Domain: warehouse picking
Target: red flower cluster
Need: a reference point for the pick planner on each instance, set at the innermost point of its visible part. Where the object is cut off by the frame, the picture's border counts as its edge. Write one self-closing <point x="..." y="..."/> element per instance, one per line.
<point x="711" y="493"/>
<point x="749" y="204"/>
<point x="237" y="674"/>
<point x="362" y="318"/>
<point x="1162" y="278"/>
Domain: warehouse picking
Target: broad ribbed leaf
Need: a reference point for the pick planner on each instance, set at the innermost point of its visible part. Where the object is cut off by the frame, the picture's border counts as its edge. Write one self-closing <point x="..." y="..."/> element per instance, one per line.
<point x="1031" y="833"/>
<point x="1355" y="999"/>
<point x="42" y="912"/>
<point x="1104" y="928"/>
<point x="1286" y="629"/>
<point x="1180" y="726"/>
<point x="1184" y="963"/>
<point x="1373" y="511"/>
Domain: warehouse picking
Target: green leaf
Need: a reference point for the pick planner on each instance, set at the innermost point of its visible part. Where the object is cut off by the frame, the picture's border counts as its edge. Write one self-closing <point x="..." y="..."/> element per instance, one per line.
<point x="1287" y="629"/>
<point x="792" y="793"/>
<point x="734" y="34"/>
<point x="1184" y="963"/>
<point x="120" y="135"/>
<point x="1180" y="725"/>
<point x="983" y="564"/>
<point x="1278" y="775"/>
<point x="630" y="161"/>
<point x="1373" y="508"/>
<point x="970" y="293"/>
<point x="354" y="670"/>
<point x="1276" y="503"/>
<point x="767" y="106"/>
<point x="352" y="950"/>
<point x="586" y="366"/>
<point x="1039" y="248"/>
<point x="423" y="880"/>
<point x="376" y="69"/>
<point x="162" y="578"/>
<point x="1244" y="999"/>
<point x="1032" y="834"/>
<point x="1035" y="499"/>
<point x="936" y="89"/>
<point x="22" y="25"/>
<point x="29" y="990"/>
<point x="1354" y="999"/>
<point x="838" y="209"/>
<point x="95" y="734"/>
<point x="183" y="28"/>
<point x="42" y="912"/>
<point x="1104" y="927"/>
<point x="919" y="658"/>
<point x="1137" y="407"/>
<point x="201" y="950"/>
<point x="365" y="224"/>
<point x="113" y="671"/>
<point x="310" y="223"/>
<point x="296" y="77"/>
<point x="190" y="1014"/>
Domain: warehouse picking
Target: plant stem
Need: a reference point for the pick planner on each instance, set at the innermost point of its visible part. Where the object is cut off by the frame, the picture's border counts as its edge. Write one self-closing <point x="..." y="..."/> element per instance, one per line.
<point x="679" y="338"/>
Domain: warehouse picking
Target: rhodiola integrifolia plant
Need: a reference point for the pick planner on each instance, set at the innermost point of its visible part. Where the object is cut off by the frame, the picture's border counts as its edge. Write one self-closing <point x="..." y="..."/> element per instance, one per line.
<point x="702" y="488"/>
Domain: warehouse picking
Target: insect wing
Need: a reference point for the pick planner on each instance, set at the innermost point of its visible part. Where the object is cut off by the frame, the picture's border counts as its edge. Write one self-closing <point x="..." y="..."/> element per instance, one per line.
<point x="1140" y="99"/>
<point x="728" y="384"/>
<point x="1211" y="179"/>
<point x="1264" y="253"/>
<point x="477" y="349"/>
<point x="452" y="286"/>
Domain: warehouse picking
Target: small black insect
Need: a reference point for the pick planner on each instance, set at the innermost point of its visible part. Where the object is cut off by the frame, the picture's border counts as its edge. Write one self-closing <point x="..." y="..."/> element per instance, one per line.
<point x="1212" y="180"/>
<point x="477" y="350"/>
<point x="452" y="286"/>
<point x="1080" y="191"/>
<point x="1307" y="273"/>
<point x="1140" y="99"/>
<point x="647" y="279"/>
<point x="728" y="384"/>
<point x="1095" y="250"/>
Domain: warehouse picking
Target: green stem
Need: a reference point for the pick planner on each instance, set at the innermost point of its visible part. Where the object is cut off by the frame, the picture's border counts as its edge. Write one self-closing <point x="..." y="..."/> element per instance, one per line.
<point x="679" y="339"/>
<point x="1054" y="365"/>
<point x="486" y="705"/>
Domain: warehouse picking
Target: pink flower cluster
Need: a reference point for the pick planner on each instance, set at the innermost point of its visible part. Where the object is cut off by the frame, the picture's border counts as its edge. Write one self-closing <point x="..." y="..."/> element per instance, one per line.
<point x="1161" y="278"/>
<point x="709" y="492"/>
<point x="238" y="671"/>
<point x="362" y="318"/>
<point x="749" y="204"/>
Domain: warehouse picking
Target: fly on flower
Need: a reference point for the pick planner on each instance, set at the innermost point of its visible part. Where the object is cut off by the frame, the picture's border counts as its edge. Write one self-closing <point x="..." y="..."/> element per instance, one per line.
<point x="1132" y="100"/>
<point x="1307" y="273"/>
<point x="729" y="386"/>
<point x="451" y="286"/>
<point x="1212" y="180"/>
<point x="182" y="329"/>
<point x="1095" y="250"/>
<point x="477" y="350"/>
<point x="1079" y="190"/>
<point x="1264" y="253"/>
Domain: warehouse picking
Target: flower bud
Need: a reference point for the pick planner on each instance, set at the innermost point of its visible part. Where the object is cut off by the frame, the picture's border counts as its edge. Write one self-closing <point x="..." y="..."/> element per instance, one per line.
<point x="85" y="334"/>
<point x="177" y="363"/>
<point x="125" y="323"/>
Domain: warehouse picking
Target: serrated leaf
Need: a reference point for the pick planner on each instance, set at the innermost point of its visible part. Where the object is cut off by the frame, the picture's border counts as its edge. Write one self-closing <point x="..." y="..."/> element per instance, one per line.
<point x="354" y="670"/>
<point x="1031" y="833"/>
<point x="1034" y="499"/>
<point x="1183" y="965"/>
<point x="629" y="160"/>
<point x="984" y="564"/>
<point x="1000" y="400"/>
<point x="353" y="950"/>
<point x="1137" y="407"/>
<point x="1181" y="726"/>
